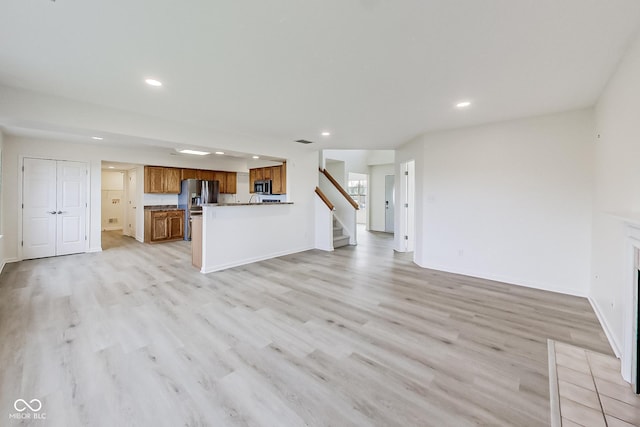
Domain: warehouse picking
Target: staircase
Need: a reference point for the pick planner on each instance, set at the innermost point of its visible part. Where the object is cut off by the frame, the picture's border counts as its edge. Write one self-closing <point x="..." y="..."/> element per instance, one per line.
<point x="339" y="238"/>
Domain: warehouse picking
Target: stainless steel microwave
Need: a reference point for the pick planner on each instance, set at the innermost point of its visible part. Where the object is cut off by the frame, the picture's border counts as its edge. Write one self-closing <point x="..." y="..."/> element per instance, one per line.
<point x="262" y="186"/>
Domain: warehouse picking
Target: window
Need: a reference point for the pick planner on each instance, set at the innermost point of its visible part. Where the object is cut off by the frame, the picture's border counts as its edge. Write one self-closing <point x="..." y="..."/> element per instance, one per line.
<point x="357" y="189"/>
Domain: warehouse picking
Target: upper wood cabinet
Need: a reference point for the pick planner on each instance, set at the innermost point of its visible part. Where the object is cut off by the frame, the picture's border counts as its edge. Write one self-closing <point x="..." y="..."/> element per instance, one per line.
<point x="276" y="180"/>
<point x="266" y="173"/>
<point x="161" y="180"/>
<point x="172" y="180"/>
<point x="277" y="175"/>
<point x="252" y="178"/>
<point x="189" y="174"/>
<point x="153" y="179"/>
<point x="221" y="177"/>
<point x="205" y="175"/>
<point x="231" y="181"/>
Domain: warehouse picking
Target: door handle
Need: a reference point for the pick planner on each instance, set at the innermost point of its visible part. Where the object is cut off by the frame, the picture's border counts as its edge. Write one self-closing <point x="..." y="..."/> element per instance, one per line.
<point x="52" y="212"/>
<point x="60" y="212"/>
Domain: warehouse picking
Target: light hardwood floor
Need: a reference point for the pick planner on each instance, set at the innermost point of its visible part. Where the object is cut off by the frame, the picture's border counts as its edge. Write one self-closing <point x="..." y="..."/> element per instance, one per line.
<point x="359" y="337"/>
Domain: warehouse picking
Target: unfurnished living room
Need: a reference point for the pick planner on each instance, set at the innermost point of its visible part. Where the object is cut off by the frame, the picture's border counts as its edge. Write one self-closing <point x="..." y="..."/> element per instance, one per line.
<point x="321" y="213"/>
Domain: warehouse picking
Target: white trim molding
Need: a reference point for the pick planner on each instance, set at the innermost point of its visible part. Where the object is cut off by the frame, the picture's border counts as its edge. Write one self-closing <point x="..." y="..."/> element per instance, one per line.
<point x="617" y="349"/>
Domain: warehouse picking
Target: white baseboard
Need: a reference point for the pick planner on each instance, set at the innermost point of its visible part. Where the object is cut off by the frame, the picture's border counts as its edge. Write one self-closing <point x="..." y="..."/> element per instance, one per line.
<point x="7" y="261"/>
<point x="112" y="228"/>
<point x="95" y="249"/>
<point x="508" y="280"/>
<point x="252" y="260"/>
<point x="605" y="327"/>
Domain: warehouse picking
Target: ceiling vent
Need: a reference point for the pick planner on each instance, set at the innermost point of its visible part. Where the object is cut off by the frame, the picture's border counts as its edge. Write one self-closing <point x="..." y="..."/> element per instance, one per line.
<point x="304" y="141"/>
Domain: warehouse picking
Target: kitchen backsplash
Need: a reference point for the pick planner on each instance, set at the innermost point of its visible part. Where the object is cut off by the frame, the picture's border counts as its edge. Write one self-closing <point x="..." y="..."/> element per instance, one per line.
<point x="159" y="199"/>
<point x="172" y="199"/>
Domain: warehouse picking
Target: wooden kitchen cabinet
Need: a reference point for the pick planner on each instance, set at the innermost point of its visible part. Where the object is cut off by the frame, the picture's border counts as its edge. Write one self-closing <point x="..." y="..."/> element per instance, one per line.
<point x="231" y="181"/>
<point x="175" y="225"/>
<point x="252" y="179"/>
<point x="189" y="174"/>
<point x="161" y="180"/>
<point x="205" y="175"/>
<point x="221" y="177"/>
<point x="153" y="179"/>
<point x="164" y="180"/>
<point x="227" y="182"/>
<point x="277" y="175"/>
<point x="172" y="180"/>
<point x="276" y="180"/>
<point x="163" y="225"/>
<point x="266" y="173"/>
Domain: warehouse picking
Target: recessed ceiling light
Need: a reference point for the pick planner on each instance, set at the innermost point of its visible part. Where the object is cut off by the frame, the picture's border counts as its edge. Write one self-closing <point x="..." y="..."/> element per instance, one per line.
<point x="97" y="138"/>
<point x="112" y="167"/>
<point x="153" y="82"/>
<point x="325" y="133"/>
<point x="196" y="152"/>
<point x="220" y="152"/>
<point x="463" y="104"/>
<point x="256" y="157"/>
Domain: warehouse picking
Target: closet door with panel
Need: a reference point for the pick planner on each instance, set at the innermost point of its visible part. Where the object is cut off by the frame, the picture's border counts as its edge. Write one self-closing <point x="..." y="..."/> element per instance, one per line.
<point x="54" y="208"/>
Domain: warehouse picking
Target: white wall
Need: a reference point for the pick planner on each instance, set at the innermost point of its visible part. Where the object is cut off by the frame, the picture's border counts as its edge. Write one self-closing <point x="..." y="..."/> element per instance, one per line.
<point x="301" y="181"/>
<point x="338" y="170"/>
<point x="617" y="190"/>
<point x="358" y="161"/>
<point x="377" y="198"/>
<point x="508" y="201"/>
<point x="236" y="235"/>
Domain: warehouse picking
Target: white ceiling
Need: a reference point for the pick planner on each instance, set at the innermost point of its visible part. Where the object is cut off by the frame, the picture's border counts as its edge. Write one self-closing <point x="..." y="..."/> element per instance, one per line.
<point x="373" y="72"/>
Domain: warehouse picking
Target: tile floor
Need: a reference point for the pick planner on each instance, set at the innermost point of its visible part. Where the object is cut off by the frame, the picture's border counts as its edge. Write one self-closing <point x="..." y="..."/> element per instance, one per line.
<point x="587" y="389"/>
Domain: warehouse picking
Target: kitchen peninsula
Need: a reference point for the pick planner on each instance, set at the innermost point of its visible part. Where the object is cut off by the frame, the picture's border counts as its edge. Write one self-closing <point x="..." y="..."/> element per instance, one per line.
<point x="234" y="234"/>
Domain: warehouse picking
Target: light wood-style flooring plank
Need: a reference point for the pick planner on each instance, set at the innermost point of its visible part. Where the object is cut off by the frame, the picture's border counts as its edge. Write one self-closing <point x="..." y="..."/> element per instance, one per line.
<point x="135" y="336"/>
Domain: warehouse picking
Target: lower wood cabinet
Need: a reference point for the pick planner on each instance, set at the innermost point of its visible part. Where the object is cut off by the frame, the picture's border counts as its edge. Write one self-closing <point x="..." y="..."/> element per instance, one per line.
<point x="163" y="225"/>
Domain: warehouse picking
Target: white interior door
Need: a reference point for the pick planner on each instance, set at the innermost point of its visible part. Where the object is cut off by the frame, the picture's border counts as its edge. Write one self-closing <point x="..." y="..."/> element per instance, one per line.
<point x="54" y="208"/>
<point x="39" y="213"/>
<point x="72" y="207"/>
<point x="389" y="203"/>
<point x="131" y="203"/>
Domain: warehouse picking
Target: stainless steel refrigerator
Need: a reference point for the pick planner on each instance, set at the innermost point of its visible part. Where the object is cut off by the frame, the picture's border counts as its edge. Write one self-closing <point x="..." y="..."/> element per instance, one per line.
<point x="194" y="193"/>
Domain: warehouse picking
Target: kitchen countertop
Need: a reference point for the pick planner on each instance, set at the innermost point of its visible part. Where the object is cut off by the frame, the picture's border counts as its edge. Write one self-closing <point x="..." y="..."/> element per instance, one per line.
<point x="162" y="208"/>
<point x="247" y="204"/>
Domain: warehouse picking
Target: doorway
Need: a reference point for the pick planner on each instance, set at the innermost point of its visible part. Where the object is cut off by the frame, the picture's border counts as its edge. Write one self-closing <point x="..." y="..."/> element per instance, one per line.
<point x="389" y="203"/>
<point x="406" y="242"/>
<point x="54" y="207"/>
<point x="358" y="190"/>
<point x="132" y="205"/>
<point x="112" y="208"/>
